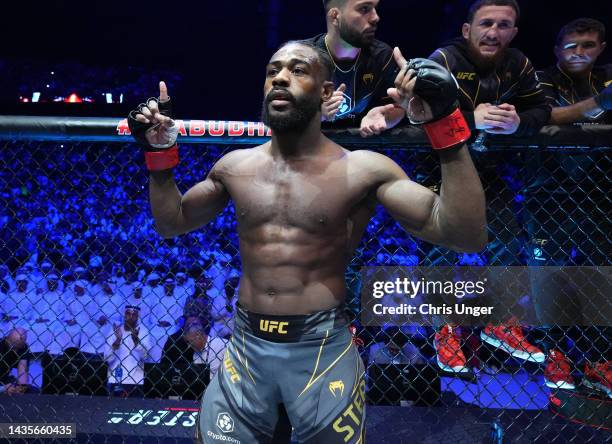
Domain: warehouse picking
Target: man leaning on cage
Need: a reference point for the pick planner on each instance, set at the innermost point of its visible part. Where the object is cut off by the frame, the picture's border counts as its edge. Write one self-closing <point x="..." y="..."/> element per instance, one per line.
<point x="580" y="93"/>
<point x="499" y="94"/>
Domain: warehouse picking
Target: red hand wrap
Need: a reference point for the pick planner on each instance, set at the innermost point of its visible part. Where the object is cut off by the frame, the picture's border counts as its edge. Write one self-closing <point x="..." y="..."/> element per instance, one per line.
<point x="447" y="131"/>
<point x="162" y="160"/>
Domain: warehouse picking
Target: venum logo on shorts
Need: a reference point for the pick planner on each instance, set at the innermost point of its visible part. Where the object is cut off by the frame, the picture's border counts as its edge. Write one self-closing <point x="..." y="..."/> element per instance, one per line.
<point x="225" y="422"/>
<point x="336" y="385"/>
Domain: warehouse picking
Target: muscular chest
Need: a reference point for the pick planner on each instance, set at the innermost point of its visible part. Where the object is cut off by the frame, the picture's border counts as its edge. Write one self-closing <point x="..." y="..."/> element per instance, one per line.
<point x="304" y="198"/>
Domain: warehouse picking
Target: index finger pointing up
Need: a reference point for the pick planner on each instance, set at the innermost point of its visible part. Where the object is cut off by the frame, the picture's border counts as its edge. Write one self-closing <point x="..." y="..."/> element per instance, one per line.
<point x="399" y="58"/>
<point x="163" y="92"/>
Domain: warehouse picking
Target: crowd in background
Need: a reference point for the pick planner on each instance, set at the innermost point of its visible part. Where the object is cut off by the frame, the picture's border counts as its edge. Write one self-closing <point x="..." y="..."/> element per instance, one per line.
<point x="79" y="245"/>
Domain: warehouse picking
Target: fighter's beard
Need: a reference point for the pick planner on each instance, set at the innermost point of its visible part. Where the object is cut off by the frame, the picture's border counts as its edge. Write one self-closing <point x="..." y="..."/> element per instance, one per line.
<point x="296" y="120"/>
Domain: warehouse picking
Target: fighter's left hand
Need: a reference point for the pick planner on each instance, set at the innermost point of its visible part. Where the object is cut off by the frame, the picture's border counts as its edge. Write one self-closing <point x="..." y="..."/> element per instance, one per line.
<point x="416" y="108"/>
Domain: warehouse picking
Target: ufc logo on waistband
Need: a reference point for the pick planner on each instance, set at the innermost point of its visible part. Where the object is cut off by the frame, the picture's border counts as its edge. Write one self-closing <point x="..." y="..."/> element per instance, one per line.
<point x="272" y="326"/>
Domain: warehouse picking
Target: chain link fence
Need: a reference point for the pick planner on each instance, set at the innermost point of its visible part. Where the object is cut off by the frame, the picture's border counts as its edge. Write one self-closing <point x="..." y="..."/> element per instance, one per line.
<point x="100" y="305"/>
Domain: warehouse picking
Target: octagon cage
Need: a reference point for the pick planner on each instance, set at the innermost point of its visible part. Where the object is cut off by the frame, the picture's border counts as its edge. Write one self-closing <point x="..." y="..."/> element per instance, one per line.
<point x="80" y="254"/>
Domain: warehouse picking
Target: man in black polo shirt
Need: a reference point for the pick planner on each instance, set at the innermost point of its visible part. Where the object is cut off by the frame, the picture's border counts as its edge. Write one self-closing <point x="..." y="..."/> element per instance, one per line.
<point x="14" y="354"/>
<point x="499" y="93"/>
<point x="580" y="93"/>
<point x="578" y="90"/>
<point x="364" y="68"/>
<point x="499" y="90"/>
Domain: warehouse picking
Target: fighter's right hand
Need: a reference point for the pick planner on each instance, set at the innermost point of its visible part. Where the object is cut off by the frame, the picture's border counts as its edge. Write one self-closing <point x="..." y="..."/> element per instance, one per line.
<point x="330" y="107"/>
<point x="152" y="126"/>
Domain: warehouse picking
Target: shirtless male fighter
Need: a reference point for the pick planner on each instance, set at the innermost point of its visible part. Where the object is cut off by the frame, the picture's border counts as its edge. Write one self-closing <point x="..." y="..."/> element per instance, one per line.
<point x="302" y="204"/>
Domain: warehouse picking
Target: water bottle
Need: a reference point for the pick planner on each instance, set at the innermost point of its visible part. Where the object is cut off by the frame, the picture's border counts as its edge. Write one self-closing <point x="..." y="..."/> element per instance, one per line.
<point x="479" y="142"/>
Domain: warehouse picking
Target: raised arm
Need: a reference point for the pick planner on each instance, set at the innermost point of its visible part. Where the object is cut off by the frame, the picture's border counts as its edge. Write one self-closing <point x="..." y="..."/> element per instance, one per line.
<point x="176" y="214"/>
<point x="457" y="217"/>
<point x="152" y="126"/>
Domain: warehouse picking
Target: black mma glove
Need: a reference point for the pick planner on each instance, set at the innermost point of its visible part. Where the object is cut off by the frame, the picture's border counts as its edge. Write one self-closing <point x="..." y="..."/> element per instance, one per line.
<point x="437" y="86"/>
<point x="158" y="157"/>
